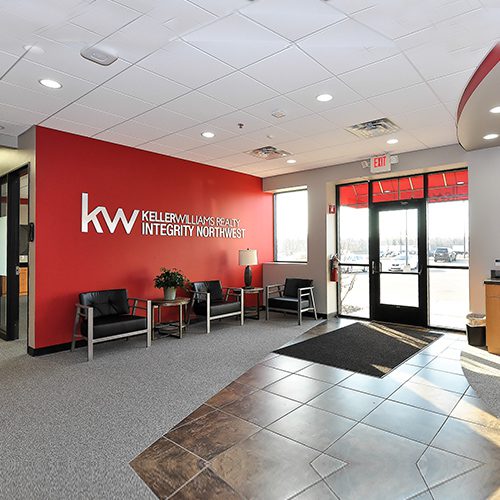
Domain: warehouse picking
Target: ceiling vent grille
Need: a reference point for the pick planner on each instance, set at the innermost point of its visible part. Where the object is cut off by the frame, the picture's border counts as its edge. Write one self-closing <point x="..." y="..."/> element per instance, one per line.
<point x="374" y="128"/>
<point x="268" y="153"/>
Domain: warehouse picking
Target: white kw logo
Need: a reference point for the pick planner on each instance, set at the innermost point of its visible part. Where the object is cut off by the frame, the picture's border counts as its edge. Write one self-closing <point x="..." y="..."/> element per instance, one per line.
<point x="91" y="217"/>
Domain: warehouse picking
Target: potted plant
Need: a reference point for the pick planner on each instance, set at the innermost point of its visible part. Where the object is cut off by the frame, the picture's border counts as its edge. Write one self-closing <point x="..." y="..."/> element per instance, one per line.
<point x="170" y="280"/>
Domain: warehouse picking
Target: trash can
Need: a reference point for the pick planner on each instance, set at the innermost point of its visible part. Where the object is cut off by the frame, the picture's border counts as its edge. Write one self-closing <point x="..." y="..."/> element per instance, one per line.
<point x="476" y="329"/>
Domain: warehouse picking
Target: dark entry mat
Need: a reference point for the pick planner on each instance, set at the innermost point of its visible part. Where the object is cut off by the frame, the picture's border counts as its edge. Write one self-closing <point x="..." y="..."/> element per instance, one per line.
<point x="373" y="349"/>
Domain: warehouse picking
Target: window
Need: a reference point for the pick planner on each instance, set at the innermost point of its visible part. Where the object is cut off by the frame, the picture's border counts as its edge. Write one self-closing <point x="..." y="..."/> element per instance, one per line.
<point x="290" y="226"/>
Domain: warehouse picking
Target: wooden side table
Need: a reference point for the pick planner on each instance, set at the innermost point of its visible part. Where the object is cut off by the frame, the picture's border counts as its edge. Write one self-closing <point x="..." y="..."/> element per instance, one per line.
<point x="252" y="309"/>
<point x="180" y="302"/>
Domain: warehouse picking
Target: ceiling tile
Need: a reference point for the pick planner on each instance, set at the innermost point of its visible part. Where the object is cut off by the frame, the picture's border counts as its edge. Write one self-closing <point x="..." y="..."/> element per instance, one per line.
<point x="264" y="110"/>
<point x="393" y="21"/>
<point x="199" y="106"/>
<point x="340" y="92"/>
<point x="88" y="116"/>
<point x="12" y="45"/>
<point x="348" y="45"/>
<point x="236" y="160"/>
<point x="182" y="62"/>
<point x="27" y="74"/>
<point x="288" y="70"/>
<point x="232" y="121"/>
<point x="358" y="112"/>
<point x="181" y="16"/>
<point x="6" y="61"/>
<point x="209" y="151"/>
<point x="67" y="58"/>
<point x="451" y="86"/>
<point x="156" y="147"/>
<point x="237" y="41"/>
<point x="70" y="34"/>
<point x="14" y="95"/>
<point x="14" y="114"/>
<point x="137" y="39"/>
<point x="351" y="6"/>
<point x="71" y="127"/>
<point x="105" y="17"/>
<point x="298" y="146"/>
<point x="165" y="120"/>
<point x="137" y="130"/>
<point x="145" y="85"/>
<point x="181" y="142"/>
<point x="383" y="76"/>
<point x="309" y="125"/>
<point x="238" y="90"/>
<point x="425" y="116"/>
<point x="142" y="6"/>
<point x="403" y="100"/>
<point x="293" y="21"/>
<point x="114" y="102"/>
<point x="221" y="7"/>
<point x="241" y="143"/>
<point x="267" y="136"/>
<point x="337" y="137"/>
<point x="435" y="136"/>
<point x="435" y="60"/>
<point x="116" y="138"/>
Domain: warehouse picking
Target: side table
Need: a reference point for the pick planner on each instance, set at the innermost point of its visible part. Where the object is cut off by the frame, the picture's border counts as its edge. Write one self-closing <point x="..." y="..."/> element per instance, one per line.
<point x="252" y="309"/>
<point x="180" y="302"/>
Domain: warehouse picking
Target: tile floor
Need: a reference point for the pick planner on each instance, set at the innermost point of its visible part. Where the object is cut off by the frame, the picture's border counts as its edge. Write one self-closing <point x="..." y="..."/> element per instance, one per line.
<point x="289" y="428"/>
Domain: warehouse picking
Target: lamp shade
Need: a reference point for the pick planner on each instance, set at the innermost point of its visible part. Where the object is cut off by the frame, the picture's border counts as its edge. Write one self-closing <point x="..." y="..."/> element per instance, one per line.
<point x="248" y="257"/>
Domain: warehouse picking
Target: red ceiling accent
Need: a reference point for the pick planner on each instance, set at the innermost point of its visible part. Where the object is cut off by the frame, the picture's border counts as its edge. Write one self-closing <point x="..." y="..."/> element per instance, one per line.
<point x="489" y="62"/>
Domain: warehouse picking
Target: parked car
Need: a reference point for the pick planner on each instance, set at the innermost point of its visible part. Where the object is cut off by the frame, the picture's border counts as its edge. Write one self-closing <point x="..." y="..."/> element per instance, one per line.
<point x="403" y="263"/>
<point x="444" y="254"/>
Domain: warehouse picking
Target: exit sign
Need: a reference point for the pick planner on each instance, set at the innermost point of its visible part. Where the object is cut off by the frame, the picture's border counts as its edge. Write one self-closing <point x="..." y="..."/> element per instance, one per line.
<point x="380" y="164"/>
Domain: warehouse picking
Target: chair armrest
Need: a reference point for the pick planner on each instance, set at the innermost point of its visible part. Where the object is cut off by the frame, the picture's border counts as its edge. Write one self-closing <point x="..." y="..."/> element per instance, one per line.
<point x="83" y="310"/>
<point x="306" y="290"/>
<point x="276" y="288"/>
<point x="134" y="306"/>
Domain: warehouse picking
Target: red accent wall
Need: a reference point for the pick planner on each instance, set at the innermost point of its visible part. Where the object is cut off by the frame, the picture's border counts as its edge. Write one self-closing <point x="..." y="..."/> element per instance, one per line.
<point x="69" y="262"/>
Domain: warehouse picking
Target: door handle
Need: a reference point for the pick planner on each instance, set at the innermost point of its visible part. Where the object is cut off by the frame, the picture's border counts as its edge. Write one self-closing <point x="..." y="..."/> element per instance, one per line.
<point x="375" y="267"/>
<point x="18" y="270"/>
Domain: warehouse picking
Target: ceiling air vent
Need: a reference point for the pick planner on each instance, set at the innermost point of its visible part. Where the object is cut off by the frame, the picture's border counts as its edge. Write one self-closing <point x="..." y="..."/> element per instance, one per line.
<point x="268" y="153"/>
<point x="374" y="128"/>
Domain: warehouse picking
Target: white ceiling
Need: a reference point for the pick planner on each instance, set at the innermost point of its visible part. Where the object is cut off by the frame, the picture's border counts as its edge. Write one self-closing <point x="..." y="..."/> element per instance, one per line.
<point x="188" y="66"/>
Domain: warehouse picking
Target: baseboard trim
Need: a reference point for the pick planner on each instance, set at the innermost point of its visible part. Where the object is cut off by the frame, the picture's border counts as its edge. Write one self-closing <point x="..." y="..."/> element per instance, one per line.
<point x="41" y="351"/>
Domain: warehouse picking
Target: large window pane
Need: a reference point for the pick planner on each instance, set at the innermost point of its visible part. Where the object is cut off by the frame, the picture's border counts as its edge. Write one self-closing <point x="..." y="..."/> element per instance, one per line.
<point x="354" y="291"/>
<point x="290" y="228"/>
<point x="448" y="297"/>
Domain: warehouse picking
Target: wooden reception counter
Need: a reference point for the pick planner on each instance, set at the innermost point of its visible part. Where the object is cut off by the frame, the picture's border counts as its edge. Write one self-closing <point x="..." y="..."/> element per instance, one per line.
<point x="493" y="315"/>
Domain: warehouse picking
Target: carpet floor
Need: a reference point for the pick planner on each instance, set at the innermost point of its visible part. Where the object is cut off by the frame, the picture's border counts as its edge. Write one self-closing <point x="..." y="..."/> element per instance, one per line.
<point x="372" y="349"/>
<point x="68" y="428"/>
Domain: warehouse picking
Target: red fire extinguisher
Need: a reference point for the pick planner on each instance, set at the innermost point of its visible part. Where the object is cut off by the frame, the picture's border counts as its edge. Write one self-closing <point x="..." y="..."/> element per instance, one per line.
<point x="334" y="268"/>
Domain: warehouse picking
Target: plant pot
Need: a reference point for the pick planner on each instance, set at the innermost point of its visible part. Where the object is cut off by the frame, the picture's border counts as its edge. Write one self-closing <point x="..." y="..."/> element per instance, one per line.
<point x="169" y="293"/>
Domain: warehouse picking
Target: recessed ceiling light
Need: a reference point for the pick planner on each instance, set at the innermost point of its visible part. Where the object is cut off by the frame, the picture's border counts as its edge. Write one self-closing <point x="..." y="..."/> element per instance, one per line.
<point x="34" y="49"/>
<point x="51" y="84"/>
<point x="460" y="183"/>
<point x="208" y="135"/>
<point x="489" y="137"/>
<point x="392" y="141"/>
<point x="291" y="161"/>
<point x="495" y="110"/>
<point x="324" y="98"/>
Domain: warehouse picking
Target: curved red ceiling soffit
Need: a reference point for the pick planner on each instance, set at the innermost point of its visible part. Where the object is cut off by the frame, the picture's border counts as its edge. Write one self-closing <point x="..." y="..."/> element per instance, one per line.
<point x="482" y="93"/>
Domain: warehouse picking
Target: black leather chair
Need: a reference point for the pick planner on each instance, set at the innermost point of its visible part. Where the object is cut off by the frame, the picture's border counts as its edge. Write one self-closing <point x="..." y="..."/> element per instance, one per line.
<point x="108" y="315"/>
<point x="213" y="301"/>
<point x="294" y="296"/>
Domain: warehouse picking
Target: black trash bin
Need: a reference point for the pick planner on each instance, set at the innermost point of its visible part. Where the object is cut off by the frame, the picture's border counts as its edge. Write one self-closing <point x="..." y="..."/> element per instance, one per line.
<point x="476" y="330"/>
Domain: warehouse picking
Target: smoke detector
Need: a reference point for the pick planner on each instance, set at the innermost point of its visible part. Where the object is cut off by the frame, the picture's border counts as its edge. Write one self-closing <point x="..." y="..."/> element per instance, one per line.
<point x="374" y="128"/>
<point x="268" y="153"/>
<point x="98" y="56"/>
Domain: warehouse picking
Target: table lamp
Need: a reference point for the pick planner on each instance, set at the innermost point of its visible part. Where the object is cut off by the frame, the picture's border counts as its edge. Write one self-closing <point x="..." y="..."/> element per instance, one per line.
<point x="248" y="258"/>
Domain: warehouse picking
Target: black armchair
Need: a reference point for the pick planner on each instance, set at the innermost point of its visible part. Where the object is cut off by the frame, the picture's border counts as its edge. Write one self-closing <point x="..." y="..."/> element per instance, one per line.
<point x="213" y="301"/>
<point x="294" y="296"/>
<point x="108" y="315"/>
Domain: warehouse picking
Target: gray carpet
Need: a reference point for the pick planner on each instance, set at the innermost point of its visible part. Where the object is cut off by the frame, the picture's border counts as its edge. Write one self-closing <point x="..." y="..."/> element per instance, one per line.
<point x="482" y="370"/>
<point x="69" y="428"/>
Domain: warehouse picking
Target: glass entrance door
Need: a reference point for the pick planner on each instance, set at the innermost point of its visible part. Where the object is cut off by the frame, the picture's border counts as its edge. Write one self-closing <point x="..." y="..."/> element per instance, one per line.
<point x="397" y="262"/>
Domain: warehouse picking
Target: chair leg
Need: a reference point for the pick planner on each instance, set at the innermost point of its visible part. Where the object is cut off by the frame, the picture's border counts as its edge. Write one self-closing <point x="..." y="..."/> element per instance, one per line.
<point x="267" y="304"/>
<point x="75" y="329"/>
<point x="300" y="313"/>
<point x="149" y="316"/>
<point x="208" y="312"/>
<point x="313" y="302"/>
<point x="242" y="318"/>
<point x="90" y="335"/>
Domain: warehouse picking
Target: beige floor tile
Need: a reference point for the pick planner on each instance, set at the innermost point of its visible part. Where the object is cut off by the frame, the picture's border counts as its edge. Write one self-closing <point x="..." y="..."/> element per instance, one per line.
<point x="298" y="388"/>
<point x="473" y="409"/>
<point x="325" y="373"/>
<point x="319" y="491"/>
<point x="441" y="380"/>
<point x="287" y="363"/>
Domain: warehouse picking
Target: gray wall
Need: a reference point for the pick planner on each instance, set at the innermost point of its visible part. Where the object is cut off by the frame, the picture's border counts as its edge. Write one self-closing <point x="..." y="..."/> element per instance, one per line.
<point x="484" y="203"/>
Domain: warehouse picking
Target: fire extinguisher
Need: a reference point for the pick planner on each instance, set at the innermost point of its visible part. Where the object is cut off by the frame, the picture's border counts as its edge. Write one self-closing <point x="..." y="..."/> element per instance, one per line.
<point x="334" y="268"/>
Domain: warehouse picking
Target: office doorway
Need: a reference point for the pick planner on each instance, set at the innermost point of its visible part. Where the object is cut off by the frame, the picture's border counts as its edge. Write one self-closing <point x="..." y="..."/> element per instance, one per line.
<point x="403" y="245"/>
<point x="15" y="234"/>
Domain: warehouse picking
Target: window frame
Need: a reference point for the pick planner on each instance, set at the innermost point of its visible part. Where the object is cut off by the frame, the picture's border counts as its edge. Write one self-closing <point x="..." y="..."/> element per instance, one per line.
<point x="275" y="225"/>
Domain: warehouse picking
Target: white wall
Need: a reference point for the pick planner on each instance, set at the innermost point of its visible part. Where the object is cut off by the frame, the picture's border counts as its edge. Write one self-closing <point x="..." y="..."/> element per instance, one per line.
<point x="484" y="202"/>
